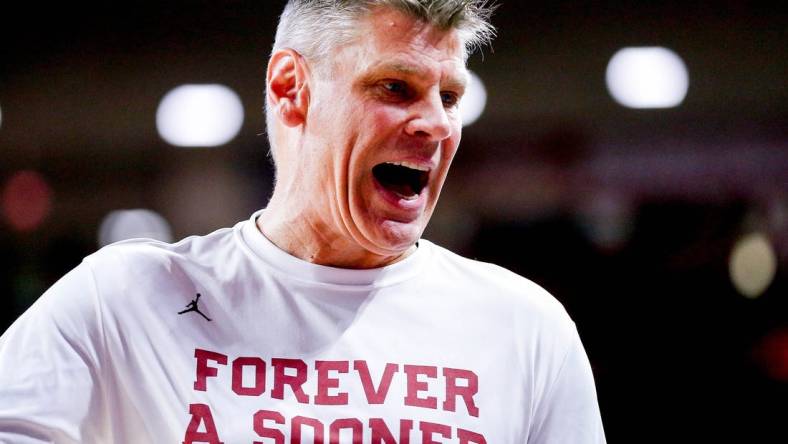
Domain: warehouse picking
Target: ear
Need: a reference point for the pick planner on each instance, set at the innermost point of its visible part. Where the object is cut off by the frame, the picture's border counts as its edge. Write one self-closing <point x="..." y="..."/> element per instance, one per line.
<point x="287" y="90"/>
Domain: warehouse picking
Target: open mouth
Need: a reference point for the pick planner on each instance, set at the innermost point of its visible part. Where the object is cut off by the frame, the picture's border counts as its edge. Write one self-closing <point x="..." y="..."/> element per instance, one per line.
<point x="403" y="179"/>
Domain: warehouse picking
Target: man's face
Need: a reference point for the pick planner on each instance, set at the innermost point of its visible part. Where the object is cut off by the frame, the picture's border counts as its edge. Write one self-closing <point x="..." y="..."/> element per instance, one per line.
<point x="383" y="126"/>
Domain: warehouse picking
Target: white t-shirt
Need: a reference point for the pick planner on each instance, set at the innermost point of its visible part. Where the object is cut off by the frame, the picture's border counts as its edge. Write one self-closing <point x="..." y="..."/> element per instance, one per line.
<point x="435" y="348"/>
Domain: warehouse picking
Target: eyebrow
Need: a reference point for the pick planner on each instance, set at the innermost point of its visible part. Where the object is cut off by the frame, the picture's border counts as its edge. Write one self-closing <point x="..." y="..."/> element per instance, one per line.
<point x="404" y="68"/>
<point x="412" y="70"/>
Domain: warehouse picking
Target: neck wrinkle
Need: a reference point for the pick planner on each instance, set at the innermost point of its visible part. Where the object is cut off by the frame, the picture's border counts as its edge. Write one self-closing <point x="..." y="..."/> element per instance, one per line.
<point x="302" y="237"/>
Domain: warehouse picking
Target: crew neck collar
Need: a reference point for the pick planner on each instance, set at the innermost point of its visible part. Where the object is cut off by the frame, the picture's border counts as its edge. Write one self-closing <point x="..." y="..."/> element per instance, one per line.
<point x="298" y="269"/>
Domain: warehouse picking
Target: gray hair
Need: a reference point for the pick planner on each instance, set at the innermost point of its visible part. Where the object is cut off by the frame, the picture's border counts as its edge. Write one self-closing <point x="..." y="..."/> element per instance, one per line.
<point x="315" y="27"/>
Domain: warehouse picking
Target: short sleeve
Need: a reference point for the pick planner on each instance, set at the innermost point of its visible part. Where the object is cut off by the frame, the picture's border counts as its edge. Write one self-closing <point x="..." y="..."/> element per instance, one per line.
<point x="49" y="372"/>
<point x="569" y="412"/>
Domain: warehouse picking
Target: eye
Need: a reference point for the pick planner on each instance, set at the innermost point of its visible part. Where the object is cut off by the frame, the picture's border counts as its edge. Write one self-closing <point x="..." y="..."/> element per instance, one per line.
<point x="449" y="99"/>
<point x="394" y="86"/>
<point x="396" y="89"/>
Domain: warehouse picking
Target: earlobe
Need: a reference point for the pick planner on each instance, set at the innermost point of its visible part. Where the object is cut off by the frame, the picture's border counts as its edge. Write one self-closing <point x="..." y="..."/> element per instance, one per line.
<point x="287" y="88"/>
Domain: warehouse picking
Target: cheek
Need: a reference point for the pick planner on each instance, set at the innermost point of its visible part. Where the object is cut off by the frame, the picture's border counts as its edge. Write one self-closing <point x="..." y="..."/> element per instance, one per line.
<point x="375" y="130"/>
<point x="451" y="145"/>
<point x="381" y="119"/>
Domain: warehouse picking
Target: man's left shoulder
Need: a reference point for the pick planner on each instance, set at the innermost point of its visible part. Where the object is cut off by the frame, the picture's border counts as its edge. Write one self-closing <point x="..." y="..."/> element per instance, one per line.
<point x="497" y="285"/>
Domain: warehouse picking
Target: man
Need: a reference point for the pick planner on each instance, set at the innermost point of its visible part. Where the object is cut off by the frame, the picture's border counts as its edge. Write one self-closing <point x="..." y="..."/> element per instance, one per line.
<point x="323" y="318"/>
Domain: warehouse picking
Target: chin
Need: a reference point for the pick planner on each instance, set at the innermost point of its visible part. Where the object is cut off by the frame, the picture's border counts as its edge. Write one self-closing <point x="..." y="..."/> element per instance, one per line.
<point x="394" y="238"/>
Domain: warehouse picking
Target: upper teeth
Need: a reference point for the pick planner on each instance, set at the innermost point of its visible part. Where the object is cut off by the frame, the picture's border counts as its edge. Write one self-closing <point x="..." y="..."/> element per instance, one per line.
<point x="409" y="165"/>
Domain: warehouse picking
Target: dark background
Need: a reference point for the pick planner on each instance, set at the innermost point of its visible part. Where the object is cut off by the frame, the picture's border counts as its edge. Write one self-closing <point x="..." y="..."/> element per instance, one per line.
<point x="552" y="165"/>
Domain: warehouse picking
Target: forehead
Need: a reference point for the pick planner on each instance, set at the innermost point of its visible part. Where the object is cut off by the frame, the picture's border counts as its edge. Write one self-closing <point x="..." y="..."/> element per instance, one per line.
<point x="391" y="40"/>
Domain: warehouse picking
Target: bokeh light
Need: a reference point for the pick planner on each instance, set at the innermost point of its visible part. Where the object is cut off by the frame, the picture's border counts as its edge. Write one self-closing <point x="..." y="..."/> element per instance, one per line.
<point x="607" y="220"/>
<point x="473" y="102"/>
<point x="199" y="115"/>
<point x="647" y="77"/>
<point x="752" y="264"/>
<point x="26" y="200"/>
<point x="772" y="354"/>
<point x="120" y="225"/>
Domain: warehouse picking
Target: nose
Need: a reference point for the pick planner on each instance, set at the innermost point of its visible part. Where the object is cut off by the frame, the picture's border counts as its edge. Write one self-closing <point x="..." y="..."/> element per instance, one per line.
<point x="429" y="119"/>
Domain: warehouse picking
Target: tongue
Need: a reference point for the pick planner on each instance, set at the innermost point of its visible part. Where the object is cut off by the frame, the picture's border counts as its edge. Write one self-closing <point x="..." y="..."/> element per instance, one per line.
<point x="402" y="189"/>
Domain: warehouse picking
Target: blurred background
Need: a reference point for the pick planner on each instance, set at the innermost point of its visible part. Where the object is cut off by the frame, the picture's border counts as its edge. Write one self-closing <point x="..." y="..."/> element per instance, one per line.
<point x="632" y="158"/>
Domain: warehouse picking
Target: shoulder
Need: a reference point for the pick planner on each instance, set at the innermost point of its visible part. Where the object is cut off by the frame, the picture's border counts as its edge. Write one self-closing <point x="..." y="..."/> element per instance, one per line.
<point x="140" y="272"/>
<point x="499" y="287"/>
<point x="149" y="255"/>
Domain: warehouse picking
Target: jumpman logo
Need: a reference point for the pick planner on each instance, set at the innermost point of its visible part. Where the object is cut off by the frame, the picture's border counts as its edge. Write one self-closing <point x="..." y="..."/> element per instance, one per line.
<point x="192" y="306"/>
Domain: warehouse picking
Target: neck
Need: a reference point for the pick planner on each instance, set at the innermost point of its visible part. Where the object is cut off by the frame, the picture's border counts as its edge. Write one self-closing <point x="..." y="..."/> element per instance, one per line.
<point x="312" y="239"/>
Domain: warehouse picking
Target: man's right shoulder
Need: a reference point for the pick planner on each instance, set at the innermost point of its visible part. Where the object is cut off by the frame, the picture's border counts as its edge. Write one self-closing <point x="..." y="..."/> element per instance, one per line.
<point x="143" y="260"/>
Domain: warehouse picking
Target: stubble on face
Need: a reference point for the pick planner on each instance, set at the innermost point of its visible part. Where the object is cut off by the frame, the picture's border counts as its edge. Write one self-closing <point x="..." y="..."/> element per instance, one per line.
<point x="418" y="128"/>
<point x="357" y="123"/>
